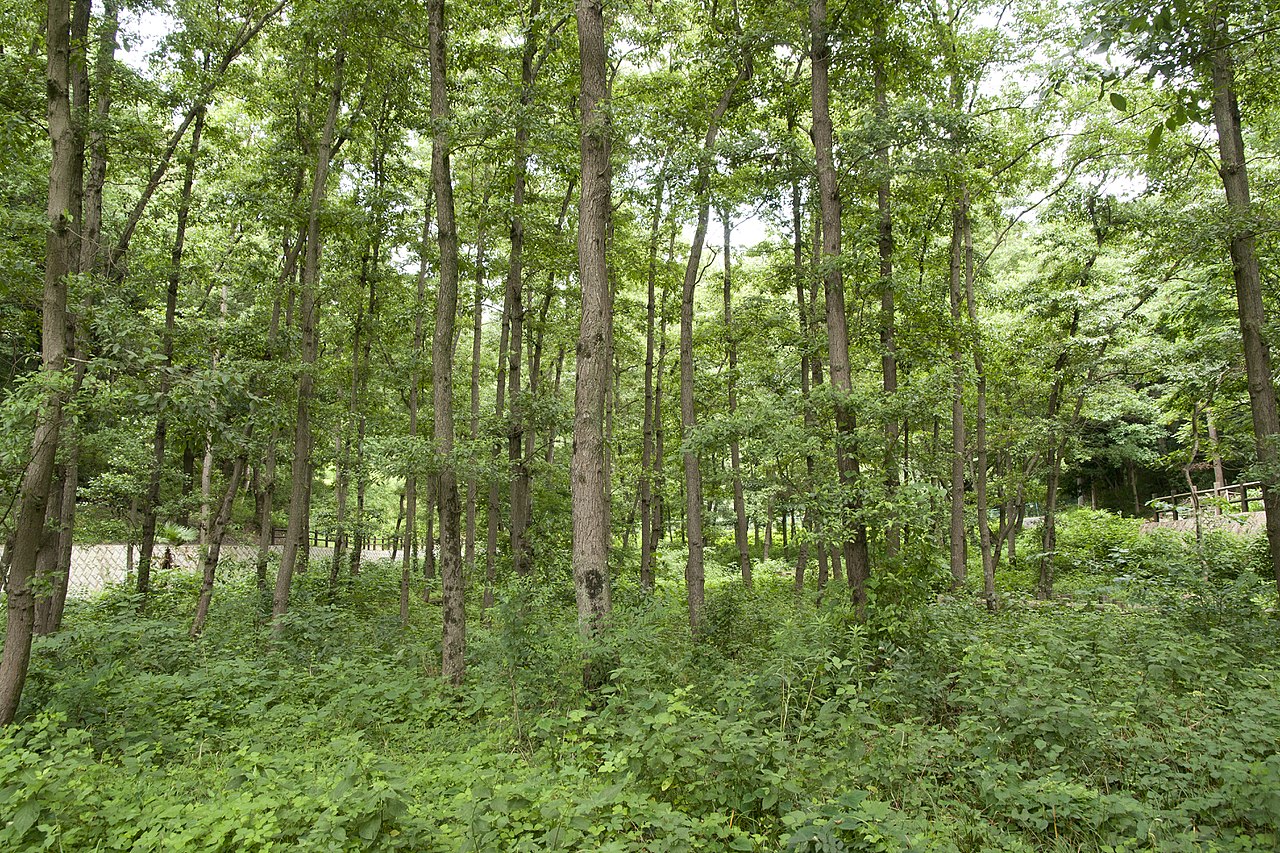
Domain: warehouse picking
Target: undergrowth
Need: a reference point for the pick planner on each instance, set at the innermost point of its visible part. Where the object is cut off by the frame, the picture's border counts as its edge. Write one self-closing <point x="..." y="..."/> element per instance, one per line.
<point x="932" y="726"/>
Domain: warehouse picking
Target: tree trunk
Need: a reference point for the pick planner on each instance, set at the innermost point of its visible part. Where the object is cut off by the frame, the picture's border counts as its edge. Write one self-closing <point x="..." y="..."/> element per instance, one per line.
<point x="477" y="317"/>
<point x="150" y="505"/>
<point x="454" y="630"/>
<point x="855" y="548"/>
<point x="806" y="345"/>
<point x="60" y="251"/>
<point x="1049" y="532"/>
<point x="210" y="551"/>
<point x="300" y="486"/>
<point x="648" y="544"/>
<point x="266" y="492"/>
<point x="959" y="451"/>
<point x="735" y="452"/>
<point x="695" y="572"/>
<point x="521" y="495"/>
<point x="589" y="488"/>
<point x="888" y="322"/>
<point x="415" y="386"/>
<point x="342" y="455"/>
<point x="980" y="420"/>
<point x="360" y="391"/>
<point x="658" y="520"/>
<point x="1244" y="265"/>
<point x="87" y="204"/>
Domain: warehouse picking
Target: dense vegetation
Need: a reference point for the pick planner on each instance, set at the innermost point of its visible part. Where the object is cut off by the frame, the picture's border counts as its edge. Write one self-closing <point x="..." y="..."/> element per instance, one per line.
<point x="758" y="402"/>
<point x="1141" y="715"/>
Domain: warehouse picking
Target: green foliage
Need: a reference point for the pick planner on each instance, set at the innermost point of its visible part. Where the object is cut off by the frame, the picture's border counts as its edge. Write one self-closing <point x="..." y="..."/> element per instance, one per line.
<point x="784" y="728"/>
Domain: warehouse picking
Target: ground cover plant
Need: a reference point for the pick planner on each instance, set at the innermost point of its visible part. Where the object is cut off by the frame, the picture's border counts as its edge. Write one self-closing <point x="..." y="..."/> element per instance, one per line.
<point x="1091" y="723"/>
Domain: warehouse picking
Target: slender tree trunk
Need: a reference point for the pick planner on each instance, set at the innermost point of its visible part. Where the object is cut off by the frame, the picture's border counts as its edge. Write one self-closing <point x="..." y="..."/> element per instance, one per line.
<point x="300" y="486"/>
<point x="87" y="209"/>
<point x="1244" y="265"/>
<point x="980" y="418"/>
<point x="494" y="508"/>
<point x="695" y="572"/>
<point x="856" y="558"/>
<point x="429" y="543"/>
<point x="1044" y="586"/>
<point x="1215" y="449"/>
<point x="959" y="450"/>
<point x="360" y="392"/>
<point x="151" y="504"/>
<point x="735" y="451"/>
<point x="210" y="552"/>
<point x="477" y="317"/>
<point x="647" y="543"/>
<point x="265" y="499"/>
<point x="521" y="495"/>
<point x="806" y="345"/>
<point x="342" y="455"/>
<point x="553" y="433"/>
<point x="768" y="528"/>
<point x="888" y="322"/>
<point x="454" y="630"/>
<point x="589" y="488"/>
<point x="658" y="520"/>
<point x="60" y="252"/>
<point x="415" y="386"/>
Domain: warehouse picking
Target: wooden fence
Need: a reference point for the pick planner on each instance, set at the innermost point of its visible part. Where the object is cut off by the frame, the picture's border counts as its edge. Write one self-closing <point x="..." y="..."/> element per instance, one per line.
<point x="1241" y="497"/>
<point x="329" y="539"/>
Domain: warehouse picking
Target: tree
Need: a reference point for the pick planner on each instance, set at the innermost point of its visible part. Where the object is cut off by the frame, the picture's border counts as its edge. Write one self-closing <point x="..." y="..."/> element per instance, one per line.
<point x="65" y="171"/>
<point x="590" y="488"/>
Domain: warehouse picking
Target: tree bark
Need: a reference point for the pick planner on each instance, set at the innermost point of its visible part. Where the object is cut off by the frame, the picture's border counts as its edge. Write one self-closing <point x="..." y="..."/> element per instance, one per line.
<point x="647" y="543"/>
<point x="979" y="419"/>
<point x="477" y="318"/>
<point x="888" y="320"/>
<point x="657" y="521"/>
<point x="1044" y="585"/>
<point x="806" y="344"/>
<point x="415" y="386"/>
<point x="300" y="486"/>
<point x="521" y="496"/>
<point x="209" y="553"/>
<point x="494" y="507"/>
<point x="589" y="488"/>
<point x="265" y="498"/>
<point x="454" y="629"/>
<point x="1244" y="265"/>
<point x="150" y="506"/>
<point x="60" y="252"/>
<point x="735" y="451"/>
<point x="857" y="561"/>
<point x="959" y="450"/>
<point x="695" y="571"/>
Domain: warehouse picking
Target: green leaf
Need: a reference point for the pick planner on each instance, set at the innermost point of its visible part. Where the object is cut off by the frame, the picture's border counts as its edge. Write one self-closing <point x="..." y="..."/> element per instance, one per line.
<point x="369" y="829"/>
<point x="1156" y="137"/>
<point x="24" y="818"/>
<point x="1119" y="102"/>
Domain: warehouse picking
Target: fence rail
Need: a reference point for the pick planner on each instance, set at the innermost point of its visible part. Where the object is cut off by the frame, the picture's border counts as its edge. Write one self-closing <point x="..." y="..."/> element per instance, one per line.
<point x="329" y="539"/>
<point x="1241" y="497"/>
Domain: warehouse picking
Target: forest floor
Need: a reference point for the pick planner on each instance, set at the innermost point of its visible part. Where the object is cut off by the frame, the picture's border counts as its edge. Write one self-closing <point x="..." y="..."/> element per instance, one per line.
<point x="932" y="726"/>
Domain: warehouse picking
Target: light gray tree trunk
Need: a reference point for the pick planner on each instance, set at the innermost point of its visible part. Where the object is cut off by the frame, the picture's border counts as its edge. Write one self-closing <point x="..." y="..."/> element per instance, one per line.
<point x="588" y="485"/>
<point x="454" y="629"/>
<point x="1244" y="265"/>
<point x="300" y="486"/>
